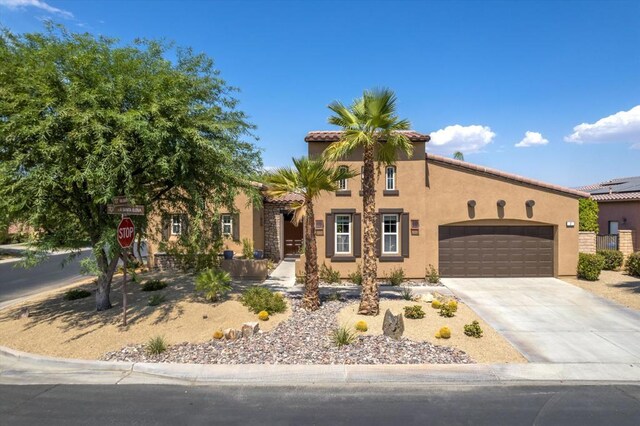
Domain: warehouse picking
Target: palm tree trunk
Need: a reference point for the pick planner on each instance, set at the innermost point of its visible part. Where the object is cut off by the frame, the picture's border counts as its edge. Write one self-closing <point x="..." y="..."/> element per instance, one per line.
<point x="311" y="298"/>
<point x="370" y="298"/>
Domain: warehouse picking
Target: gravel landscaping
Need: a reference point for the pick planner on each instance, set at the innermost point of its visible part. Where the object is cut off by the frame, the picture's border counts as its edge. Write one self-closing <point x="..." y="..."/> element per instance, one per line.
<point x="305" y="338"/>
<point x="618" y="286"/>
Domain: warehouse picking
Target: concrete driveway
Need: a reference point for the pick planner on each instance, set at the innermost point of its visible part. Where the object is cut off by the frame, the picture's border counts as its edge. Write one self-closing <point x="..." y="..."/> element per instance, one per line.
<point x="549" y="320"/>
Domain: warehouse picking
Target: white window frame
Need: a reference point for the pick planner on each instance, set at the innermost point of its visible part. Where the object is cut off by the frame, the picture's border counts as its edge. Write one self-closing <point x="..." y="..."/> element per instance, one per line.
<point x="176" y="220"/>
<point x="348" y="234"/>
<point x="224" y="223"/>
<point x="342" y="183"/>
<point x="396" y="233"/>
<point x="390" y="179"/>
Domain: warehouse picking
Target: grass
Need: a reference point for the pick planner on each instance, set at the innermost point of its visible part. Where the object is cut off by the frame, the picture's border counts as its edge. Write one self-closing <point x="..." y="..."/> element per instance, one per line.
<point x="156" y="345"/>
<point x="156" y="299"/>
<point x="343" y="336"/>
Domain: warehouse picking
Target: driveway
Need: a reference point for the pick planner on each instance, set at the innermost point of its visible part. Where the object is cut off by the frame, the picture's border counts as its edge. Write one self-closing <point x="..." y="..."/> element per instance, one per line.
<point x="549" y="320"/>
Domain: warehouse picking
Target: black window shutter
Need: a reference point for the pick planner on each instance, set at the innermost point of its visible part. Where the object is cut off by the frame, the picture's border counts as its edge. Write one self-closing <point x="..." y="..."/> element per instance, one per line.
<point x="404" y="230"/>
<point x="166" y="225"/>
<point x="329" y="236"/>
<point x="236" y="226"/>
<point x="357" y="235"/>
<point x="378" y="235"/>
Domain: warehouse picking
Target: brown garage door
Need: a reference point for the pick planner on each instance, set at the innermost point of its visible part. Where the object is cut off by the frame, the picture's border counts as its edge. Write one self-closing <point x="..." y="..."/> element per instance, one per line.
<point x="496" y="251"/>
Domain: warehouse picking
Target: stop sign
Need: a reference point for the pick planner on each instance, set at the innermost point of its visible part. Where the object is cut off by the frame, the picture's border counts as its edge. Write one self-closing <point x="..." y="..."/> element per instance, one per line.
<point x="126" y="231"/>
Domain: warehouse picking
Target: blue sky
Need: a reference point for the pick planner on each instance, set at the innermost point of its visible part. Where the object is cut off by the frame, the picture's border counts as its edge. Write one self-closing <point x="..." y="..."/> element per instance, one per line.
<point x="475" y="75"/>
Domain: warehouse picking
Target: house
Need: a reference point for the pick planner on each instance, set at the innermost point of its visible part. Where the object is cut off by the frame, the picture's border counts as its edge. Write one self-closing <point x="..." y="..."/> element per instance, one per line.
<point x="619" y="208"/>
<point x="464" y="219"/>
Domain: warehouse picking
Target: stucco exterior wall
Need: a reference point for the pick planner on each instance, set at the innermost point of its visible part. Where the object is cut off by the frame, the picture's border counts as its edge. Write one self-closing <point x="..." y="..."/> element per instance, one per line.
<point x="619" y="211"/>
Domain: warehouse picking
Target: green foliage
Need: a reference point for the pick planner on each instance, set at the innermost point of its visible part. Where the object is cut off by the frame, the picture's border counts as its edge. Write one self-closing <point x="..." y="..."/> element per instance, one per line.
<point x="613" y="259"/>
<point x="156" y="299"/>
<point x="329" y="275"/>
<point x="436" y="304"/>
<point x="473" y="330"/>
<point x="301" y="279"/>
<point x="247" y="248"/>
<point x="362" y="326"/>
<point x="590" y="266"/>
<point x="156" y="345"/>
<point x="432" y="275"/>
<point x="262" y="299"/>
<point x="413" y="312"/>
<point x="443" y="333"/>
<point x="356" y="276"/>
<point x="407" y="294"/>
<point x="448" y="310"/>
<point x="343" y="336"/>
<point x="396" y="276"/>
<point x="633" y="264"/>
<point x="76" y="293"/>
<point x="458" y="155"/>
<point x="334" y="297"/>
<point x="154" y="285"/>
<point x="84" y="118"/>
<point x="588" y="215"/>
<point x="214" y="283"/>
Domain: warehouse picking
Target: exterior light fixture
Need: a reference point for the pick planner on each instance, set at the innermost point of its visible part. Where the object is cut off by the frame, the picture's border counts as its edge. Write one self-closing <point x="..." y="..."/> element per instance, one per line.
<point x="571" y="224"/>
<point x="530" y="203"/>
<point x="502" y="203"/>
<point x="471" y="203"/>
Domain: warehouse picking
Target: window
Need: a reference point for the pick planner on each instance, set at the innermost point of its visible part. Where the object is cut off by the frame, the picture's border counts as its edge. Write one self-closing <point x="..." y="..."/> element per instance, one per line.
<point x="176" y="224"/>
<point x="342" y="183"/>
<point x="390" y="174"/>
<point x="613" y="228"/>
<point x="390" y="234"/>
<point x="227" y="225"/>
<point x="343" y="234"/>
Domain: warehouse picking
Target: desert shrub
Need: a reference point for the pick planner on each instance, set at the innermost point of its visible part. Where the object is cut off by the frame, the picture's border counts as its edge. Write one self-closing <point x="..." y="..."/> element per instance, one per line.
<point x="453" y="305"/>
<point x="633" y="264"/>
<point x="270" y="265"/>
<point x="413" y="312"/>
<point x="448" y="310"/>
<point x="263" y="316"/>
<point x="613" y="259"/>
<point x="329" y="275"/>
<point x="156" y="345"/>
<point x="589" y="266"/>
<point x="76" y="293"/>
<point x="342" y="336"/>
<point x="218" y="334"/>
<point x="247" y="248"/>
<point x="156" y="299"/>
<point x="443" y="333"/>
<point x="333" y="297"/>
<point x="396" y="276"/>
<point x="153" y="285"/>
<point x="356" y="276"/>
<point x="213" y="283"/>
<point x="407" y="294"/>
<point x="473" y="330"/>
<point x="436" y="304"/>
<point x="301" y="279"/>
<point x="432" y="275"/>
<point x="362" y="326"/>
<point x="262" y="299"/>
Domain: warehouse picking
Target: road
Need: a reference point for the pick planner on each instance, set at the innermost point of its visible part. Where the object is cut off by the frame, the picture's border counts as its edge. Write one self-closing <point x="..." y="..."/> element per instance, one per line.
<point x="321" y="405"/>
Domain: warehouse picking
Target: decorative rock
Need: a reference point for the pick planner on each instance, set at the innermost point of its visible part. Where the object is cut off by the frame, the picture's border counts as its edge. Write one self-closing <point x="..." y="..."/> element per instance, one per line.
<point x="26" y="313"/>
<point x="393" y="325"/>
<point x="232" y="334"/>
<point x="250" y="328"/>
<point x="428" y="298"/>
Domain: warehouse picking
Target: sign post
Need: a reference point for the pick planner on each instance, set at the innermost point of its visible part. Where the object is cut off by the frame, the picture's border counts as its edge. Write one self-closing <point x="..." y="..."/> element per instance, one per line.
<point x="126" y="233"/>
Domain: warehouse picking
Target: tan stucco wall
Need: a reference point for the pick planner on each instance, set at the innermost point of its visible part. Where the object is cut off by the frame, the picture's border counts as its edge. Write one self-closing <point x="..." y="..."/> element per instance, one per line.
<point x="438" y="194"/>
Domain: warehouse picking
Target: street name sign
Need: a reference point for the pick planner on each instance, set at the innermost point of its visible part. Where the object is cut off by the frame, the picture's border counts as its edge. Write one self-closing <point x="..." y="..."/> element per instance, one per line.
<point x="132" y="210"/>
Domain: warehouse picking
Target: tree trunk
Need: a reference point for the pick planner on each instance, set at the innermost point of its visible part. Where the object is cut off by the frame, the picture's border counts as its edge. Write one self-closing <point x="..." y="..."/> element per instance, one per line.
<point x="140" y="248"/>
<point x="107" y="269"/>
<point x="311" y="298"/>
<point x="370" y="298"/>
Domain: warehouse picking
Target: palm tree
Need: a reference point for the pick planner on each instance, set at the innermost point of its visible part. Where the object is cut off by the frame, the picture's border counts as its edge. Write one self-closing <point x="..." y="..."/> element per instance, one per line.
<point x="458" y="155"/>
<point x="308" y="178"/>
<point x="370" y="123"/>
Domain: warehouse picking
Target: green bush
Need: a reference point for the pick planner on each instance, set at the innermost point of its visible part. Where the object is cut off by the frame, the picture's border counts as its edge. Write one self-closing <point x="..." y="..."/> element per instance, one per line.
<point x="588" y="215"/>
<point x="76" y="293"/>
<point x="156" y="299"/>
<point x="356" y="276"/>
<point x="613" y="259"/>
<point x="396" y="276"/>
<point x="342" y="336"/>
<point x="590" y="266"/>
<point x="473" y="330"/>
<point x="448" y="310"/>
<point x="262" y="299"/>
<point x="154" y="285"/>
<point x="156" y="345"/>
<point x="407" y="294"/>
<point x="413" y="312"/>
<point x="432" y="275"/>
<point x="633" y="264"/>
<point x="329" y="275"/>
<point x="213" y="283"/>
<point x="247" y="248"/>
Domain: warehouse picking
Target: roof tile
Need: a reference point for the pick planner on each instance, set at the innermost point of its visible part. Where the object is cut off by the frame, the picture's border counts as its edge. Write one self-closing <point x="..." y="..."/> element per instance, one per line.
<point x="335" y="135"/>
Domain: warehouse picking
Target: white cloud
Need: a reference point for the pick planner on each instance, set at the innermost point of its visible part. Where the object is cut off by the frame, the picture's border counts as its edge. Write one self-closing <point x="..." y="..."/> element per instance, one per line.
<point x="467" y="139"/>
<point x="623" y="126"/>
<point x="532" y="139"/>
<point x="21" y="4"/>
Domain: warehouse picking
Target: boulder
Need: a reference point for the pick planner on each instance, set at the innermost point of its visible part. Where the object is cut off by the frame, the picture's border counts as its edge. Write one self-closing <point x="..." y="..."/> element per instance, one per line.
<point x="428" y="298"/>
<point x="393" y="325"/>
<point x="232" y="334"/>
<point x="250" y="328"/>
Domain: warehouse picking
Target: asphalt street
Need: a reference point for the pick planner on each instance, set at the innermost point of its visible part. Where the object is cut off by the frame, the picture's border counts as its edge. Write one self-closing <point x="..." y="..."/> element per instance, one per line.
<point x="321" y="405"/>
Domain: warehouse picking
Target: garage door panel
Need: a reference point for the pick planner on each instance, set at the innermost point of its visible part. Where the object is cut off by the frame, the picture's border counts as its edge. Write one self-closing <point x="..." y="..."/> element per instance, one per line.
<point x="496" y="251"/>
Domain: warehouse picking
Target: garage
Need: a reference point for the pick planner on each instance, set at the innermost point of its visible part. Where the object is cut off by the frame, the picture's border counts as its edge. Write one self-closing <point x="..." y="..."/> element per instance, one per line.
<point x="496" y="251"/>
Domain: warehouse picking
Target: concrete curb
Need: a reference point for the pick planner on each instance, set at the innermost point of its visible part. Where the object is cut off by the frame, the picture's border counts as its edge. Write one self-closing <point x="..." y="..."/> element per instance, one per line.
<point x="18" y="367"/>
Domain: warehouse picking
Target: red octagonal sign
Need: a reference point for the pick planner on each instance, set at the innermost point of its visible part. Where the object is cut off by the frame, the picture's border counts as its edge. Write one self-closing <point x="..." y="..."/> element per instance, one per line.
<point x="126" y="231"/>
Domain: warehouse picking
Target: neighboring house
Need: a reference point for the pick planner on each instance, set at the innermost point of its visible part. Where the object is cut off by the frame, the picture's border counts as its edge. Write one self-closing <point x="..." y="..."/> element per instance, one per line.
<point x="619" y="206"/>
<point x="466" y="220"/>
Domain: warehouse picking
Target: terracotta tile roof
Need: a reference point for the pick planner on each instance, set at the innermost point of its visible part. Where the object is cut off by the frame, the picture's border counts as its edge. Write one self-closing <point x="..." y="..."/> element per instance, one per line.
<point x="285" y="199"/>
<point x="621" y="196"/>
<point x="335" y="135"/>
<point x="619" y="189"/>
<point x="505" y="175"/>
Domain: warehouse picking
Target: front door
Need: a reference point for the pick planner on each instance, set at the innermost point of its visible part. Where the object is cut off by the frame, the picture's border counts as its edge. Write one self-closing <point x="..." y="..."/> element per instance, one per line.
<point x="293" y="235"/>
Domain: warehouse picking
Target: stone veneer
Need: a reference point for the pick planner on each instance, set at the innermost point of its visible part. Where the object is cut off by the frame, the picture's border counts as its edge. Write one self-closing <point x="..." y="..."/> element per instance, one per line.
<point x="587" y="242"/>
<point x="164" y="262"/>
<point x="625" y="241"/>
<point x="272" y="224"/>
